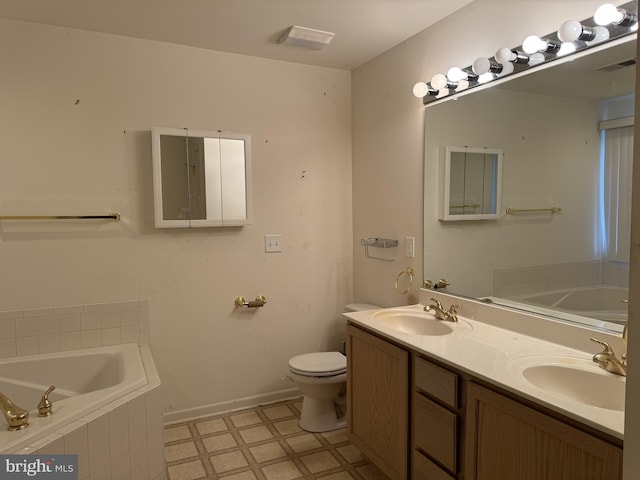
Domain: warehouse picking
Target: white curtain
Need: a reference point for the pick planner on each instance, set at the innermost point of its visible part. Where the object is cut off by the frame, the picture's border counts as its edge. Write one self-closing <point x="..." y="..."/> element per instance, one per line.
<point x="618" y="165"/>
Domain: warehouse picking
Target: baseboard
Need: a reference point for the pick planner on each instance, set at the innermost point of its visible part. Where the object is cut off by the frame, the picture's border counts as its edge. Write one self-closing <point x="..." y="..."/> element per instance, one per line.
<point x="195" y="413"/>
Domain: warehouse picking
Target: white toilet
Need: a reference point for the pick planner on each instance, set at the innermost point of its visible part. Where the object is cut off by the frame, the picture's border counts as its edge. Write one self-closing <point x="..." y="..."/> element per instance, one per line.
<point x="321" y="377"/>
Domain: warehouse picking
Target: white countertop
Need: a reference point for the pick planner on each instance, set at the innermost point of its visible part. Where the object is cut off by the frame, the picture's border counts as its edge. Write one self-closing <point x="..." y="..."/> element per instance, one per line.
<point x="497" y="355"/>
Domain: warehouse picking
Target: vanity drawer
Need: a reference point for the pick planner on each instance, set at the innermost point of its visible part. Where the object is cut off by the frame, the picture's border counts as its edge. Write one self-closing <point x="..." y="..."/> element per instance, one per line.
<point x="435" y="431"/>
<point x="424" y="469"/>
<point x="437" y="382"/>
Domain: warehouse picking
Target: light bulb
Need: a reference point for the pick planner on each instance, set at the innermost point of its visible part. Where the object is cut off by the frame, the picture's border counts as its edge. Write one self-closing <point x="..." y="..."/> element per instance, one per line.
<point x="505" y="55"/>
<point x="566" y="49"/>
<point x="420" y="89"/>
<point x="485" y="77"/>
<point x="570" y="31"/>
<point x="439" y="81"/>
<point x="536" y="59"/>
<point x="533" y="44"/>
<point x="507" y="68"/>
<point x="607" y="14"/>
<point x="455" y="74"/>
<point x="601" y="34"/>
<point x="481" y="66"/>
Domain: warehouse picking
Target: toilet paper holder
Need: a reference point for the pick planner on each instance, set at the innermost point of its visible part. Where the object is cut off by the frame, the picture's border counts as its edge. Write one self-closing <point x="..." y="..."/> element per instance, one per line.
<point x="258" y="302"/>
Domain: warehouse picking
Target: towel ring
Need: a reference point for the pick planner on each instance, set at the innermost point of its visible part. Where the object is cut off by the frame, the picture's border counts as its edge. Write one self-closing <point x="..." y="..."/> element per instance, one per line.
<point x="408" y="271"/>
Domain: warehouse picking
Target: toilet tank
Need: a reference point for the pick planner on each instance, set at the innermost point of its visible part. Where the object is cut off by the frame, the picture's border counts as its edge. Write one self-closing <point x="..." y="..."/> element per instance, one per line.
<point x="359" y="307"/>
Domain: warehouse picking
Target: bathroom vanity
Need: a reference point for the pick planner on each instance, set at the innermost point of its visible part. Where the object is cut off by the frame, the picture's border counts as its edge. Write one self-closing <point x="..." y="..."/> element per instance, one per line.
<point x="475" y="401"/>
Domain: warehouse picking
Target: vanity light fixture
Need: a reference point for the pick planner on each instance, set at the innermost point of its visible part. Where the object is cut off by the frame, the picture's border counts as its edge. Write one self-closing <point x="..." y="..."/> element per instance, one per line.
<point x="609" y="14"/>
<point x="608" y="23"/>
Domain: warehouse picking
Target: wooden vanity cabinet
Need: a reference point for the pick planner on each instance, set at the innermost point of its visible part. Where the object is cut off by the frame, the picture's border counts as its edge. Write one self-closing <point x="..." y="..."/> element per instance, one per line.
<point x="377" y="401"/>
<point x="435" y="423"/>
<point x="508" y="440"/>
<point x="416" y="419"/>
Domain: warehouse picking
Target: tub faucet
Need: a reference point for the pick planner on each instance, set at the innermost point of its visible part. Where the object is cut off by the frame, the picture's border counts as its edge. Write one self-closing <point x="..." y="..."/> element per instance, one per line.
<point x="440" y="312"/>
<point x="17" y="417"/>
<point x="607" y="359"/>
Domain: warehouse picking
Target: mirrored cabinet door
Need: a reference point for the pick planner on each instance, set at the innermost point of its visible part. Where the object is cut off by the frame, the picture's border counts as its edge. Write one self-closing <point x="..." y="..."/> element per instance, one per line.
<point x="470" y="183"/>
<point x="201" y="178"/>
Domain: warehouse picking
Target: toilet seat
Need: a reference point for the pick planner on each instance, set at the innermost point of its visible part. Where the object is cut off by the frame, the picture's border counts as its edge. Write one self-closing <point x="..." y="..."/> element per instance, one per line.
<point x="319" y="364"/>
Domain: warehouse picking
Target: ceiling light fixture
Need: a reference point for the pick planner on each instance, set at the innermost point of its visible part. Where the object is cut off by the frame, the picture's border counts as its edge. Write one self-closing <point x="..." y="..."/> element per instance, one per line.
<point x="307" y="37"/>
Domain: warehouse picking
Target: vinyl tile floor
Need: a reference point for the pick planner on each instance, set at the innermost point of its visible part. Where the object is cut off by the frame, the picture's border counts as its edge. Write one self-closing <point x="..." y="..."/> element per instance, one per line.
<point x="261" y="443"/>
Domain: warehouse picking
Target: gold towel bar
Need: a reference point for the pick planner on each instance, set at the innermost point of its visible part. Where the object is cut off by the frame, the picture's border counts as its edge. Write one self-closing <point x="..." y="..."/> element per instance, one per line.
<point x="513" y="211"/>
<point x="113" y="216"/>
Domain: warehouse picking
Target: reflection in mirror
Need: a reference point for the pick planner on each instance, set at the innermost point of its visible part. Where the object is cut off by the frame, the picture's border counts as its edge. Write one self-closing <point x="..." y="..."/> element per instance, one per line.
<point x="471" y="184"/>
<point x="566" y="133"/>
<point x="201" y="179"/>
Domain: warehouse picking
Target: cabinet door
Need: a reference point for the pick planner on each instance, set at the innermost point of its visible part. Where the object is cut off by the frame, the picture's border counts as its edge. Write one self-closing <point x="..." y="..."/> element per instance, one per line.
<point x="507" y="440"/>
<point x="377" y="401"/>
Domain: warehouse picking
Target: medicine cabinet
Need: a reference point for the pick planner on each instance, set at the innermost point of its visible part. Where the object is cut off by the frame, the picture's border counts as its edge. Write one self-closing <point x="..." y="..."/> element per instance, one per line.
<point x="470" y="183"/>
<point x="201" y="178"/>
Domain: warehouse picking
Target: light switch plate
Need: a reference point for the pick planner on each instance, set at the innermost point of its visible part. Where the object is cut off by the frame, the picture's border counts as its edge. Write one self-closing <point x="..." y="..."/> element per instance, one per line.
<point x="273" y="243"/>
<point x="409" y="247"/>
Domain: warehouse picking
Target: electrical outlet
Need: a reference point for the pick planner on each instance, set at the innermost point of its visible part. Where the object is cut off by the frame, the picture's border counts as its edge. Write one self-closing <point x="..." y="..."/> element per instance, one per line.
<point x="409" y="247"/>
<point x="273" y="243"/>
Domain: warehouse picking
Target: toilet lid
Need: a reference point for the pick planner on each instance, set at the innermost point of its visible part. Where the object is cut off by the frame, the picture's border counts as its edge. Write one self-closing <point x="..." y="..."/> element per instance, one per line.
<point x="320" y="364"/>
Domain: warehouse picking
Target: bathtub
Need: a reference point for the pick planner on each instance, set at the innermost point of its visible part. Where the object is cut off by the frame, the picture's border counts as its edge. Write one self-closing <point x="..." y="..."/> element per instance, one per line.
<point x="601" y="302"/>
<point x="85" y="380"/>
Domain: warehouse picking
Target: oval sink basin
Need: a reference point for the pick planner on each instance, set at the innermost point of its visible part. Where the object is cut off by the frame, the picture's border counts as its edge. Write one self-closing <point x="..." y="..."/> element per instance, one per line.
<point x="416" y="323"/>
<point x="578" y="380"/>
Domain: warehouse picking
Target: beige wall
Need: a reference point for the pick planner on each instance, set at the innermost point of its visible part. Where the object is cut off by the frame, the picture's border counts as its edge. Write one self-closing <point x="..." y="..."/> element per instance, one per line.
<point x="388" y="137"/>
<point x="77" y="109"/>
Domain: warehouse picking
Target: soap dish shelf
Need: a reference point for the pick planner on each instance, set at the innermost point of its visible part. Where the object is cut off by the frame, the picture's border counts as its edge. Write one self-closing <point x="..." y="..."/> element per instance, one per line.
<point x="378" y="243"/>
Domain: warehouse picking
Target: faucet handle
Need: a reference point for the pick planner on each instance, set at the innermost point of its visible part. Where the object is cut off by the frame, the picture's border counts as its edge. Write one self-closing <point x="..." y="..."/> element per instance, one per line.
<point x="437" y="303"/>
<point x="605" y="345"/>
<point x="45" y="406"/>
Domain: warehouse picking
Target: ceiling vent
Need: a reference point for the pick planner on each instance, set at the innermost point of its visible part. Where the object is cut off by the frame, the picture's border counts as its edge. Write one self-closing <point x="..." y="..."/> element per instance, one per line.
<point x="307" y="37"/>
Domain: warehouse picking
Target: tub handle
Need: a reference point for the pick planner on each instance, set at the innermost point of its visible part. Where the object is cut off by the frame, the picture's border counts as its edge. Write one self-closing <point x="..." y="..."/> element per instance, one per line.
<point x="45" y="406"/>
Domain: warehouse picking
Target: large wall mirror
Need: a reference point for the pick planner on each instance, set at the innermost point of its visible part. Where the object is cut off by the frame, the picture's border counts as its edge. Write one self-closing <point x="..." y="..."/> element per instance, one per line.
<point x="201" y="178"/>
<point x="560" y="244"/>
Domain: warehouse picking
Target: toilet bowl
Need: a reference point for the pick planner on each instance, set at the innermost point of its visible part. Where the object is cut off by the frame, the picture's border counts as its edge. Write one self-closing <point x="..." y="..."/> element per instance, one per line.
<point x="321" y="378"/>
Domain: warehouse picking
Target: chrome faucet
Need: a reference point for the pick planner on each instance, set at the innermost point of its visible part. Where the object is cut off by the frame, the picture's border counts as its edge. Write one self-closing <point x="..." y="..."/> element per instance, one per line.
<point x="440" y="313"/>
<point x="17" y="417"/>
<point x="607" y="359"/>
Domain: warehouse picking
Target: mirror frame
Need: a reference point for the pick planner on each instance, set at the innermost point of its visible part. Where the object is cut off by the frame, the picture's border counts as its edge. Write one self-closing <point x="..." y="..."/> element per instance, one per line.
<point x="160" y="221"/>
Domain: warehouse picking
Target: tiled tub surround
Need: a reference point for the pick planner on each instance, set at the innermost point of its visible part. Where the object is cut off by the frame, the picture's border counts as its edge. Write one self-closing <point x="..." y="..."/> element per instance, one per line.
<point x="59" y="329"/>
<point x="122" y="439"/>
<point x="543" y="278"/>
